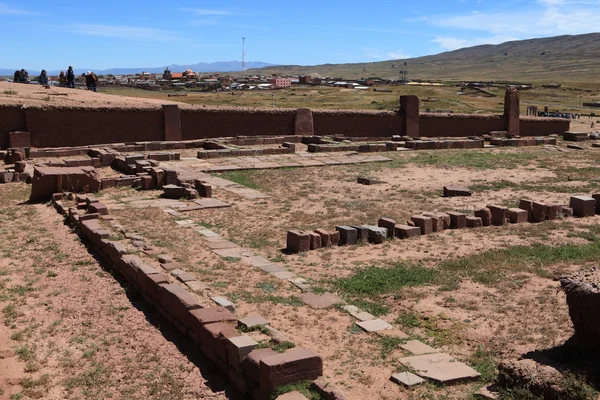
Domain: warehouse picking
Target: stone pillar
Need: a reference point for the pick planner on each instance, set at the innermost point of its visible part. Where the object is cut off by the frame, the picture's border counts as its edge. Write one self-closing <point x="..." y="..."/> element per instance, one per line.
<point x="304" y="122"/>
<point x="172" y="122"/>
<point x="511" y="111"/>
<point x="409" y="109"/>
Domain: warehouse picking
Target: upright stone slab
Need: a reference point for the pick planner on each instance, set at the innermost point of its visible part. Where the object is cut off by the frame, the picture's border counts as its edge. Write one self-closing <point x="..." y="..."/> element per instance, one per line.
<point x="485" y="214"/>
<point x="409" y="109"/>
<point x="474" y="222"/>
<point x="424" y="223"/>
<point x="512" y="112"/>
<point x="348" y="235"/>
<point x="446" y="220"/>
<point x="597" y="198"/>
<point x="389" y="224"/>
<point x="298" y="241"/>
<point x="325" y="237"/>
<point x="458" y="220"/>
<point x="555" y="210"/>
<point x="406" y="231"/>
<point x="437" y="222"/>
<point x="376" y="234"/>
<point x="315" y="241"/>
<point x="304" y="124"/>
<point x="499" y="214"/>
<point x="583" y="206"/>
<point x="539" y="211"/>
<point x="517" y="216"/>
<point x="362" y="233"/>
<point x="527" y="205"/>
<point x="172" y="122"/>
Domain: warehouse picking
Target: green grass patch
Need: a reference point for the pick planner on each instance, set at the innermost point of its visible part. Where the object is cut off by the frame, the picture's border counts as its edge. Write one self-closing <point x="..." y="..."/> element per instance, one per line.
<point x="473" y="159"/>
<point x="244" y="178"/>
<point x="374" y="280"/>
<point x="485" y="362"/>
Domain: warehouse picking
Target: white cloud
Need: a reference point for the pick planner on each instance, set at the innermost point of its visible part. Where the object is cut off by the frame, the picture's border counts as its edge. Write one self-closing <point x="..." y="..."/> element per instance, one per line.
<point x="378" y="54"/>
<point x="5" y="9"/>
<point x="125" y="32"/>
<point x="204" y="11"/>
<point x="543" y="18"/>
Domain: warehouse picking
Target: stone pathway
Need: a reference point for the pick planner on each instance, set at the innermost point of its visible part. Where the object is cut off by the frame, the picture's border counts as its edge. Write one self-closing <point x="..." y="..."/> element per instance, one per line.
<point x="178" y="205"/>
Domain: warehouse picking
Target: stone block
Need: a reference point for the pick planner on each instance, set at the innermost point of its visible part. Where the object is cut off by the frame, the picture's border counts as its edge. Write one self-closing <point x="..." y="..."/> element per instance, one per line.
<point x="150" y="284"/>
<point x="424" y="223"/>
<point x="499" y="214"/>
<point x="251" y="364"/>
<point x="408" y="379"/>
<point x="362" y="233"/>
<point x="517" y="215"/>
<point x="252" y="322"/>
<point x="49" y="180"/>
<point x="213" y="338"/>
<point x="539" y="212"/>
<point x="437" y="222"/>
<point x="583" y="206"/>
<point x="474" y="222"/>
<point x="446" y="220"/>
<point x="238" y="348"/>
<point x="485" y="214"/>
<point x="298" y="241"/>
<point x="348" y="235"/>
<point x="456" y="191"/>
<point x="99" y="208"/>
<point x="325" y="237"/>
<point x="304" y="124"/>
<point x="376" y="234"/>
<point x="457" y="220"/>
<point x="295" y="365"/>
<point x="406" y="231"/>
<point x="315" y="241"/>
<point x="440" y="367"/>
<point x="527" y="205"/>
<point x="335" y="238"/>
<point x="389" y="224"/>
<point x="597" y="198"/>
<point x="224" y="302"/>
<point x="374" y="325"/>
<point x="554" y="211"/>
<point x="179" y="303"/>
<point x="20" y="166"/>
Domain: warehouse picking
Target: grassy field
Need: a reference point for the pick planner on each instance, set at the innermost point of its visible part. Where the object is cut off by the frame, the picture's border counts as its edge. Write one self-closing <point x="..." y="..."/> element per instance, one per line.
<point x="433" y="98"/>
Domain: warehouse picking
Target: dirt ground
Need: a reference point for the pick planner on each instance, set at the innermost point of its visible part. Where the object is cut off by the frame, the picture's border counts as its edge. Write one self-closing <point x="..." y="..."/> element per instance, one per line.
<point x="71" y="330"/>
<point x="480" y="316"/>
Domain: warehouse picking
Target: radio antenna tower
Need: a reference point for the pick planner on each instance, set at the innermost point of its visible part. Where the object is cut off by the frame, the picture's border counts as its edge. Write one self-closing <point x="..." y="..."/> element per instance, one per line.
<point x="243" y="54"/>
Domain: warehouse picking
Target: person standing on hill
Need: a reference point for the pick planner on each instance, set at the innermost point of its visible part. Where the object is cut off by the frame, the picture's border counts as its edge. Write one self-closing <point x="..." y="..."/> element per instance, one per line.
<point x="17" y="76"/>
<point x="62" y="79"/>
<point x="70" y="78"/>
<point x="43" y="78"/>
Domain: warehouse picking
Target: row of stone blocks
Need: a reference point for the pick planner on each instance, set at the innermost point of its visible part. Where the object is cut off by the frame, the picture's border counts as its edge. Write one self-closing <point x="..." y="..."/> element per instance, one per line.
<point x="287" y="148"/>
<point x="502" y="142"/>
<point x="528" y="211"/>
<point x="254" y="372"/>
<point x="361" y="148"/>
<point x="444" y="144"/>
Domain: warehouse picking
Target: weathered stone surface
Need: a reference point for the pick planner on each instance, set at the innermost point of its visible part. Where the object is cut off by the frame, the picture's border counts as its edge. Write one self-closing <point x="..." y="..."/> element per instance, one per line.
<point x="474" y="222"/>
<point x="374" y="325"/>
<point x="405" y="231"/>
<point x="223" y="302"/>
<point x="437" y="222"/>
<point x="304" y="122"/>
<point x="499" y="214"/>
<point x="315" y="240"/>
<point x="517" y="215"/>
<point x="298" y="241"/>
<point x="319" y="301"/>
<point x="456" y="191"/>
<point x="583" y="206"/>
<point x="213" y="314"/>
<point x="407" y="379"/>
<point x="527" y="205"/>
<point x="362" y="233"/>
<point x="555" y="211"/>
<point x="376" y="234"/>
<point x="389" y="224"/>
<point x="348" y="235"/>
<point x="424" y="223"/>
<point x="418" y="348"/>
<point x="485" y="214"/>
<point x="252" y="322"/>
<point x="445" y="217"/>
<point x="539" y="211"/>
<point x="440" y="367"/>
<point x="327" y="390"/>
<point x="293" y="366"/>
<point x="334" y="237"/>
<point x="457" y="220"/>
<point x="49" y="180"/>
<point x="238" y="348"/>
<point x="597" y="198"/>
<point x="325" y="237"/>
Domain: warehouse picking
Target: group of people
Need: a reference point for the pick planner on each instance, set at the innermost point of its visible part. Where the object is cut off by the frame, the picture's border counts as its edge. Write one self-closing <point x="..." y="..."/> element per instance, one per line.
<point x="65" y="79"/>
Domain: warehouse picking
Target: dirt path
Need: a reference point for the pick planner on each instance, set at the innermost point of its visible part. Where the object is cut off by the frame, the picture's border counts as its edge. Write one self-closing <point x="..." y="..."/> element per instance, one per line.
<point x="73" y="330"/>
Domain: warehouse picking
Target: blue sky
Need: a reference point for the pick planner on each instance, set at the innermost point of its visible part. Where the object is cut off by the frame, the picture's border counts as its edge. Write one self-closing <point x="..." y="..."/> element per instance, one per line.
<point x="52" y="35"/>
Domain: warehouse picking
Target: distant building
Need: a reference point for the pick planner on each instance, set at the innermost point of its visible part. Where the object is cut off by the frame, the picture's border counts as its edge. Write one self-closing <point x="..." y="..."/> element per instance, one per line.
<point x="167" y="74"/>
<point x="280" y="82"/>
<point x="305" y="80"/>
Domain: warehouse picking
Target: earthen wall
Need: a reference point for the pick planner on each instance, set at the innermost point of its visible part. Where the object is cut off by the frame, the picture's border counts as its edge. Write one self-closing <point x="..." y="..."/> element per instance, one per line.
<point x="459" y="125"/>
<point x="358" y="123"/>
<point x="543" y="126"/>
<point x="212" y="123"/>
<point x="11" y="119"/>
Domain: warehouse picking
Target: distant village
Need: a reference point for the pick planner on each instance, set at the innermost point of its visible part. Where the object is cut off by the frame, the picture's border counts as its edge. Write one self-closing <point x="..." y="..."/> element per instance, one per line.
<point x="190" y="80"/>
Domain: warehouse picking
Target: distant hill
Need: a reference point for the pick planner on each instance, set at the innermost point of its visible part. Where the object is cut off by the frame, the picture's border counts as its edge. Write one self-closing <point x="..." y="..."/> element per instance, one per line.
<point x="220" y="66"/>
<point x="569" y="58"/>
